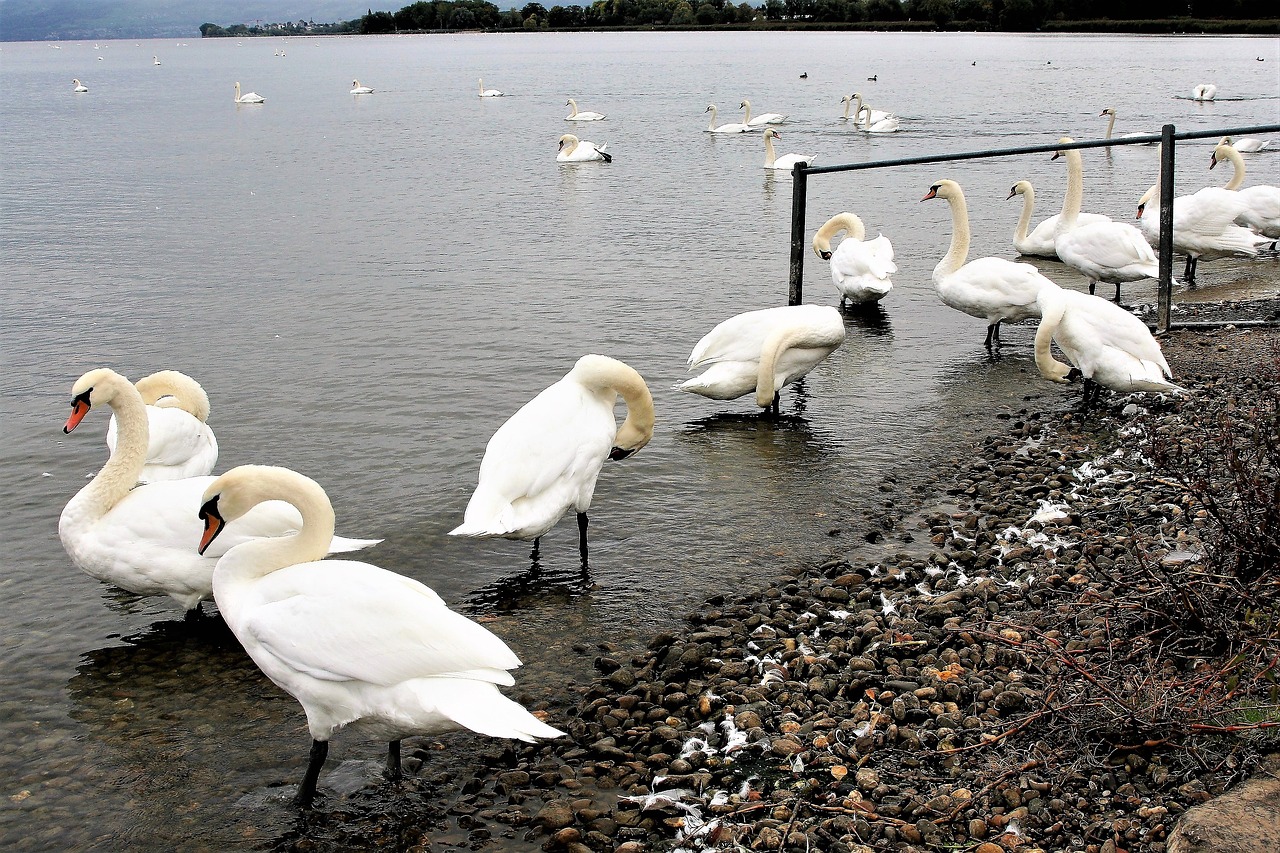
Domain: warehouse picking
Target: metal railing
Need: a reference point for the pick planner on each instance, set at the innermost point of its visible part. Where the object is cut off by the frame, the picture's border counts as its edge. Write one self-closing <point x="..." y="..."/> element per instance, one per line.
<point x="1167" y="137"/>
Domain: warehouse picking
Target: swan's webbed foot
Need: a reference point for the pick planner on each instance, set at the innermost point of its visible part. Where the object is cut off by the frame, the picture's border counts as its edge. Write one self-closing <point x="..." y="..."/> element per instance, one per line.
<point x="393" y="771"/>
<point x="307" y="790"/>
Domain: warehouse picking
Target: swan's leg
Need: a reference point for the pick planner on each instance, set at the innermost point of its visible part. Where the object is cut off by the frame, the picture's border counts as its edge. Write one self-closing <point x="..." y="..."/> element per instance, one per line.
<point x="534" y="555"/>
<point x="393" y="761"/>
<point x="307" y="790"/>
<point x="1117" y="293"/>
<point x="582" y="536"/>
<point x="1093" y="283"/>
<point x="993" y="335"/>
<point x="775" y="408"/>
<point x="1189" y="271"/>
<point x="195" y="614"/>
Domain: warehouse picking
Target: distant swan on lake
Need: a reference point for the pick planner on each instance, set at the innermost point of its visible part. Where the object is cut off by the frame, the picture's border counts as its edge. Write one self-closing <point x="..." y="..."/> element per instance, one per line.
<point x="585" y="115"/>
<point x="488" y="93"/>
<point x="357" y="89"/>
<point x="248" y="97"/>
<point x="79" y="87"/>
<point x="1204" y="92"/>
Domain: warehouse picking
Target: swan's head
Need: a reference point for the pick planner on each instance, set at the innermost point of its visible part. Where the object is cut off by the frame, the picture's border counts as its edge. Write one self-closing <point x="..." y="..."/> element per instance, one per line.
<point x="1109" y="111"/>
<point x="75" y="80"/>
<point x="1145" y="200"/>
<point x="568" y="141"/>
<point x="710" y="108"/>
<point x="95" y="388"/>
<point x="1020" y="188"/>
<point x="241" y="489"/>
<point x="1219" y="151"/>
<point x="944" y="189"/>
<point x="770" y="133"/>
<point x="355" y="83"/>
<point x="745" y="103"/>
<point x="1066" y="140"/>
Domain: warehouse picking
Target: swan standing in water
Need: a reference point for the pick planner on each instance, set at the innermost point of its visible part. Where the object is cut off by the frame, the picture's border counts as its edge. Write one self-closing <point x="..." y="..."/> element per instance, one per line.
<point x="575" y="150"/>
<point x="786" y="162"/>
<point x="248" y="97"/>
<point x="489" y="93"/>
<point x="763" y="351"/>
<point x="761" y="120"/>
<point x="180" y="443"/>
<point x="1204" y="92"/>
<point x="733" y="127"/>
<point x="991" y="289"/>
<point x="1040" y="242"/>
<point x="860" y="268"/>
<point x="79" y="87"/>
<point x="546" y="458"/>
<point x="1261" y="202"/>
<point x="586" y="115"/>
<point x="361" y="648"/>
<point x="357" y="89"/>
<point x="1111" y="123"/>
<point x="1113" y="252"/>
<point x="139" y="537"/>
<point x="1109" y="347"/>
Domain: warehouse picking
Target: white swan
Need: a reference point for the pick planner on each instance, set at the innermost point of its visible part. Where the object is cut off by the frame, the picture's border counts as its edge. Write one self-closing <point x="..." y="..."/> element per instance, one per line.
<point x="1204" y="226"/>
<point x="139" y="537"/>
<point x="732" y="127"/>
<point x="361" y="648"/>
<point x="545" y="459"/>
<point x="876" y="115"/>
<point x="180" y="443"/>
<point x="248" y="97"/>
<point x="763" y="352"/>
<point x="1113" y="252"/>
<point x="760" y="120"/>
<point x="889" y="124"/>
<point x="786" y="162"/>
<point x="1204" y="92"/>
<point x="1261" y="202"/>
<point x="860" y="268"/>
<point x="1040" y="242"/>
<point x="79" y="87"/>
<point x="585" y="115"/>
<point x="1109" y="347"/>
<point x="992" y="289"/>
<point x="1111" y="123"/>
<point x="357" y="89"/>
<point x="1249" y="144"/>
<point x="575" y="150"/>
<point x="155" y="60"/>
<point x="489" y="93"/>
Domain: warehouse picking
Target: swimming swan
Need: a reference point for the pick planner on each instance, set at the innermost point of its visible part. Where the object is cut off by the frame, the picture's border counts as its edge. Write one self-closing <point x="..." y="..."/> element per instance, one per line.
<point x="733" y="127"/>
<point x="489" y="93"/>
<point x="1204" y="92"/>
<point x="248" y="97"/>
<point x="876" y="115"/>
<point x="1040" y="241"/>
<point x="155" y="60"/>
<point x="581" y="116"/>
<point x="992" y="289"/>
<point x="546" y="458"/>
<point x="1109" y="347"/>
<point x="786" y="162"/>
<point x="1261" y="202"/>
<point x="79" y="87"/>
<point x="139" y="537"/>
<point x="357" y="89"/>
<point x="1113" y="252"/>
<point x="180" y="444"/>
<point x="1249" y="144"/>
<point x="575" y="150"/>
<point x="763" y="351"/>
<point x="860" y="268"/>
<point x="888" y="124"/>
<point x="761" y="120"/>
<point x="1111" y="123"/>
<point x="361" y="648"/>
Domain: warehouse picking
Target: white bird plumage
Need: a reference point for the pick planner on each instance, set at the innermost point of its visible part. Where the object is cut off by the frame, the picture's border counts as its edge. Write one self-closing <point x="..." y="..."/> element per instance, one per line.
<point x="489" y="93"/>
<point x="1250" y="144"/>
<point x="1261" y="211"/>
<point x="248" y="97"/>
<point x="875" y="115"/>
<point x="1111" y="124"/>
<point x="575" y="150"/>
<point x="786" y="162"/>
<point x="732" y="127"/>
<point x="155" y="60"/>
<point x="763" y="351"/>
<point x="868" y="124"/>
<point x="1204" y="92"/>
<point x="139" y="537"/>
<point x="1040" y="242"/>
<point x="860" y="268"/>
<point x="78" y="86"/>
<point x="545" y="459"/>
<point x="181" y="444"/>
<point x="360" y="647"/>
<point x="357" y="89"/>
<point x="760" y="120"/>
<point x="584" y="115"/>
<point x="992" y="289"/>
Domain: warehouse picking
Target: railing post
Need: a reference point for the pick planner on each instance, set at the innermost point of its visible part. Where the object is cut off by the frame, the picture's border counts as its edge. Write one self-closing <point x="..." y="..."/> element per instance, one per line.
<point x="799" y="191"/>
<point x="1165" y="304"/>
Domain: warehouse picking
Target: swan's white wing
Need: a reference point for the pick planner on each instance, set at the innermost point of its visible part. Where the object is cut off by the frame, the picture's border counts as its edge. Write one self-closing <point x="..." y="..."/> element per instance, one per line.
<point x="994" y="289"/>
<point x="741" y="337"/>
<point x="864" y="257"/>
<point x="1108" y="245"/>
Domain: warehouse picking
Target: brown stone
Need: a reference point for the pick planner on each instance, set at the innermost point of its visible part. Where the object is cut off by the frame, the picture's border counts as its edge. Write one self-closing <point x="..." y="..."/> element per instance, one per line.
<point x="1244" y="820"/>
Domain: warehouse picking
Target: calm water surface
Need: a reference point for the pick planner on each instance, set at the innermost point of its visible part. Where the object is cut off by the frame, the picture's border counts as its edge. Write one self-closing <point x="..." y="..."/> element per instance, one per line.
<point x="367" y="287"/>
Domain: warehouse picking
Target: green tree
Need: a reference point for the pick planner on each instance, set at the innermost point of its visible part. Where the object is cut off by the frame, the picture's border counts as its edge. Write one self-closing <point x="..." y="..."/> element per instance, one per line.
<point x="682" y="13"/>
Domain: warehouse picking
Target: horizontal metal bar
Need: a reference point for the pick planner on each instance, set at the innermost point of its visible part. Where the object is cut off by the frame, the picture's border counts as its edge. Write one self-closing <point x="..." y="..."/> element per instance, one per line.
<point x="1218" y="324"/>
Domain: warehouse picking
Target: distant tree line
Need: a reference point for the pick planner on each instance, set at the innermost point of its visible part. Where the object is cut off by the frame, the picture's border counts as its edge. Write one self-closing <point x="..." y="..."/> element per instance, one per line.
<point x="296" y="28"/>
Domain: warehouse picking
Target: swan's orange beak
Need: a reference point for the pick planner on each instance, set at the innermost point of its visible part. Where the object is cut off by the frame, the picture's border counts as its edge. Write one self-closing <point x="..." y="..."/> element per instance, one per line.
<point x="1213" y="159"/>
<point x="79" y="408"/>
<point x="1011" y="194"/>
<point x="933" y="193"/>
<point x="1055" y="156"/>
<point x="213" y="523"/>
<point x="1141" y="208"/>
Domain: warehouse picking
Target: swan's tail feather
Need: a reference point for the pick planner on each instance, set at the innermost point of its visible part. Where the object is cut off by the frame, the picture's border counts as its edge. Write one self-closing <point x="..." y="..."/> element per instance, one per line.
<point x="342" y="544"/>
<point x="479" y="706"/>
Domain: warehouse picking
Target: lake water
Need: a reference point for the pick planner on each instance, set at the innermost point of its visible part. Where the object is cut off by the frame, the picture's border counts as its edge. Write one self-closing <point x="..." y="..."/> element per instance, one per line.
<point x="369" y="286"/>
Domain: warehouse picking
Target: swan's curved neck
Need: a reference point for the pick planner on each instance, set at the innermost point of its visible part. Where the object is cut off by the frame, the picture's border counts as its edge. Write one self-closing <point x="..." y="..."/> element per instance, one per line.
<point x="746" y="118"/>
<point x="573" y="106"/>
<point x="185" y="392"/>
<point x="1237" y="163"/>
<point x="712" y="125"/>
<point x="262" y="556"/>
<point x="1024" y="221"/>
<point x="1111" y="123"/>
<point x="848" y="102"/>
<point x="121" y="473"/>
<point x="638" y="427"/>
<point x="1074" y="198"/>
<point x="847" y="222"/>
<point x="1050" y="367"/>
<point x="778" y="342"/>
<point x="959" y="248"/>
<point x="769" y="157"/>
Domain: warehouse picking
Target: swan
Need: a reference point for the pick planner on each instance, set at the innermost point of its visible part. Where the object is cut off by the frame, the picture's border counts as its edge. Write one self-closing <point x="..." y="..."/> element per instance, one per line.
<point x="360" y="647"/>
<point x="248" y="97"/>
<point x="545" y="459"/>
<point x="1113" y="252"/>
<point x="889" y="124"/>
<point x="1109" y="347"/>
<point x="733" y="127"/>
<point x="574" y="150"/>
<point x="847" y="100"/>
<point x="1111" y="123"/>
<point x="860" y="268"/>
<point x="761" y="120"/>
<point x="180" y="443"/>
<point x="1249" y="144"/>
<point x="1261" y="202"/>
<point x="581" y="116"/>
<point x="155" y="60"/>
<point x="1204" y="92"/>
<point x="787" y="161"/>
<point x="357" y="89"/>
<point x="763" y="351"/>
<point x="139" y="538"/>
<point x="992" y="289"/>
<point x="876" y="115"/>
<point x="1203" y="226"/>
<point x="1040" y="241"/>
<point x="489" y="93"/>
<point x="79" y="87"/>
